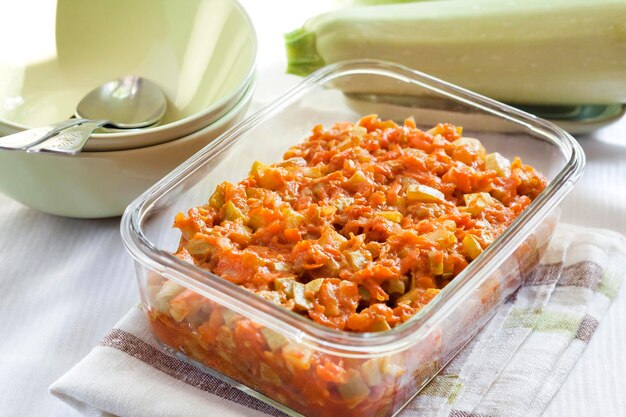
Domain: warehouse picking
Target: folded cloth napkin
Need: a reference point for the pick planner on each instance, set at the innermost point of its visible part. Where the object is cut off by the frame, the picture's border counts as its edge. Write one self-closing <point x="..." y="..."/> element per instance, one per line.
<point x="513" y="367"/>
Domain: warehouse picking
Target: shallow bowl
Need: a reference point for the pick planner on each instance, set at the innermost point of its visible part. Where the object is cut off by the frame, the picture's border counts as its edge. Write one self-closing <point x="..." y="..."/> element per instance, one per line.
<point x="200" y="52"/>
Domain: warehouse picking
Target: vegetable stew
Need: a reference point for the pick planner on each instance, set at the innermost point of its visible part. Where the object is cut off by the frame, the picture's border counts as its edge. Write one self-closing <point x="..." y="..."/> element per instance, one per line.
<point x="358" y="228"/>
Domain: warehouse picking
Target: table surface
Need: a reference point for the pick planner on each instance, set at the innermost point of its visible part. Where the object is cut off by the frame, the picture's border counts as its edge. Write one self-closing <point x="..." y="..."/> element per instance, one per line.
<point x="65" y="282"/>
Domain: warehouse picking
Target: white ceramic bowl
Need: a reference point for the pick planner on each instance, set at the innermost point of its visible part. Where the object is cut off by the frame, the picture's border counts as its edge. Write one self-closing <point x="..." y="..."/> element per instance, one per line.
<point x="200" y="52"/>
<point x="101" y="184"/>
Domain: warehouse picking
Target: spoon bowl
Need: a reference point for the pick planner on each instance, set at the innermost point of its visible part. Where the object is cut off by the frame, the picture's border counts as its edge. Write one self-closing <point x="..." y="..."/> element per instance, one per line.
<point x="129" y="102"/>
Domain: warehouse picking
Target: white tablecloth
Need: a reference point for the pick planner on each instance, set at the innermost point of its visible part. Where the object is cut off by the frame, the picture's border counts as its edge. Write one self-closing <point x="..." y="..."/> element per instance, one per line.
<point x="65" y="282"/>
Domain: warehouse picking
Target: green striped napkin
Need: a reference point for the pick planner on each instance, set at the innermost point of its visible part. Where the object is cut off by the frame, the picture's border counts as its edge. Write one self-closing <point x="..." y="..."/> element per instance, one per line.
<point x="519" y="360"/>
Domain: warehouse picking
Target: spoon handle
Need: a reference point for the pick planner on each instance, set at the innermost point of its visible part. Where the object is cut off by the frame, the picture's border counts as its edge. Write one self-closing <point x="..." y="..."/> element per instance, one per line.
<point x="31" y="137"/>
<point x="69" y="141"/>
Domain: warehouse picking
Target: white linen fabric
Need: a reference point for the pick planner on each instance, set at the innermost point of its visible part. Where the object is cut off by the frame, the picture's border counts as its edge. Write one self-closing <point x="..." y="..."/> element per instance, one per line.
<point x="513" y="367"/>
<point x="65" y="282"/>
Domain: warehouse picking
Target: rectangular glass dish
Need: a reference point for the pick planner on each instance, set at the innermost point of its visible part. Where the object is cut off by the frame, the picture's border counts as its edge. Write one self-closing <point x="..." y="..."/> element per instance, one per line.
<point x="282" y="357"/>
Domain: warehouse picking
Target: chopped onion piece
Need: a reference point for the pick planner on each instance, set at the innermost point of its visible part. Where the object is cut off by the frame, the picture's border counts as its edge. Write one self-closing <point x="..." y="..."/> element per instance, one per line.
<point x="424" y="194"/>
<point x="471" y="246"/>
<point x="496" y="162"/>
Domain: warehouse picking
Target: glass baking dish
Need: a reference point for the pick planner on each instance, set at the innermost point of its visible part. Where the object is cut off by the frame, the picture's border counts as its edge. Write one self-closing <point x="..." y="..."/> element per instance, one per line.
<point x="276" y="354"/>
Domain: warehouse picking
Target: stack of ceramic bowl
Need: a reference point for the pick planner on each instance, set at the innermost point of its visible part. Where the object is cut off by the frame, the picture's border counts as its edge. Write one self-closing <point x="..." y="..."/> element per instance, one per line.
<point x="200" y="52"/>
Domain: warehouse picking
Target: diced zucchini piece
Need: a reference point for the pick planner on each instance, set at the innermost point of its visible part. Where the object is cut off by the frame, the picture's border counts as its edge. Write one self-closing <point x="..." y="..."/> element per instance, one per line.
<point x="358" y="178"/>
<point x="292" y="219"/>
<point x="356" y="258"/>
<point x="407" y="181"/>
<point x="255" y="193"/>
<point x="393" y="216"/>
<point x="467" y="142"/>
<point x="257" y="220"/>
<point x="471" y="246"/>
<point x="271" y="296"/>
<point x="355" y="137"/>
<point x="333" y="266"/>
<point x="199" y="246"/>
<point x="327" y="211"/>
<point x="225" y="338"/>
<point x="241" y="235"/>
<point x="296" y="161"/>
<point x="268" y="374"/>
<point x="365" y="295"/>
<point x="380" y="325"/>
<point x="273" y="339"/>
<point x="449" y="225"/>
<point x="359" y="131"/>
<point x="188" y="227"/>
<point x="467" y="150"/>
<point x="232" y="212"/>
<point x="371" y="370"/>
<point x="312" y="172"/>
<point x="162" y="299"/>
<point x="391" y="368"/>
<point x="496" y="162"/>
<point x="418" y="294"/>
<point x="345" y="144"/>
<point x="443" y="237"/>
<point x="395" y="286"/>
<point x="313" y="286"/>
<point x="217" y="199"/>
<point x="436" y="263"/>
<point x="448" y="269"/>
<point x="273" y="179"/>
<point x="230" y="318"/>
<point x="342" y="202"/>
<point x="297" y="355"/>
<point x="281" y="267"/>
<point x="355" y="389"/>
<point x="409" y="297"/>
<point x="424" y="194"/>
<point x="301" y="301"/>
<point x="267" y="176"/>
<point x="258" y="168"/>
<point x="477" y="202"/>
<point x="285" y="285"/>
<point x="331" y="237"/>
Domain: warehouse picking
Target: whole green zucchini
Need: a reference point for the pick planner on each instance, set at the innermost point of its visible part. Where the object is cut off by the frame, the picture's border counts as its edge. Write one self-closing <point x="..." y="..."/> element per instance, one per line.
<point x="519" y="51"/>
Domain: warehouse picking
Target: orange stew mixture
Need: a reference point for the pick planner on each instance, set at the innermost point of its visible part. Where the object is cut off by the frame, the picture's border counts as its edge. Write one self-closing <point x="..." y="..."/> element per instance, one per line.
<point x="361" y="225"/>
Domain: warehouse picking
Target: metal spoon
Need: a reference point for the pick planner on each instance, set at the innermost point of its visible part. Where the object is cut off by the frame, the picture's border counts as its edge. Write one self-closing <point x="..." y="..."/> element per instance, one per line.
<point x="126" y="103"/>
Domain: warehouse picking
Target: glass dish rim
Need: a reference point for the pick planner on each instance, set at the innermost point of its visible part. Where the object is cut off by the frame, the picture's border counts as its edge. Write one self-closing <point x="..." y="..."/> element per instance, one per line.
<point x="299" y="327"/>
